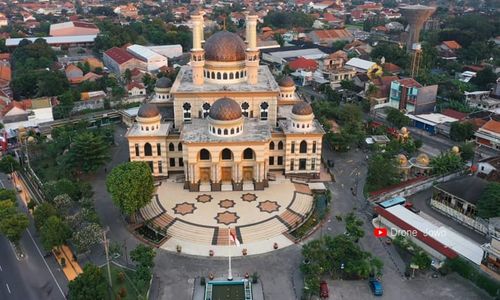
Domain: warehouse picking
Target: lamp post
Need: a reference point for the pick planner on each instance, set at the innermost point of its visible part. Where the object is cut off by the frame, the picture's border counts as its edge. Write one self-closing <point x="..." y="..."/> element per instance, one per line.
<point x="341" y="271"/>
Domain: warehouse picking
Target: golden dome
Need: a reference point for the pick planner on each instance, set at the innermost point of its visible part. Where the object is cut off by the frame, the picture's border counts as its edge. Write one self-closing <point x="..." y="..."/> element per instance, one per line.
<point x="302" y="108"/>
<point x="423" y="159"/>
<point x="286" y="81"/>
<point x="404" y="130"/>
<point x="225" y="109"/>
<point x="455" y="149"/>
<point x="148" y="110"/>
<point x="225" y="46"/>
<point x="403" y="161"/>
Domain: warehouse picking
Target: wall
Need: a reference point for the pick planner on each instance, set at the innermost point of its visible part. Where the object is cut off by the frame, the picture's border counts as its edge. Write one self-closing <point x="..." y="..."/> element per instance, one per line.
<point x="460" y="218"/>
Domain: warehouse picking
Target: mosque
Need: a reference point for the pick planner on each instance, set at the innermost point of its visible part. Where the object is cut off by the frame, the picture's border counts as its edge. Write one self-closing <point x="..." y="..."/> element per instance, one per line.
<point x="225" y="123"/>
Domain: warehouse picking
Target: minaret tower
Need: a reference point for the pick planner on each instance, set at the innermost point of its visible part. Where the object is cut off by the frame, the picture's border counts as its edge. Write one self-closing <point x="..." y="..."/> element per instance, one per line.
<point x="252" y="59"/>
<point x="197" y="52"/>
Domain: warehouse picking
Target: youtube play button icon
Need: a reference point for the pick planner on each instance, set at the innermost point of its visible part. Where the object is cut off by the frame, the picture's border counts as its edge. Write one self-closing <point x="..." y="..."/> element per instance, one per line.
<point x="380" y="232"/>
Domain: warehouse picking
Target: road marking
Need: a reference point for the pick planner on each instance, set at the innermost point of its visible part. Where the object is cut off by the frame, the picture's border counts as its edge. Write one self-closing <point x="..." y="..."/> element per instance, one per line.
<point x="1" y="268"/>
<point x="8" y="288"/>
<point x="48" y="268"/>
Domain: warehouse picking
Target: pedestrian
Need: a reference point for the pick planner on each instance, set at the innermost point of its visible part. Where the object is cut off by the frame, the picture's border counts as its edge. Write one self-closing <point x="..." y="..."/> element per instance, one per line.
<point x="105" y="170"/>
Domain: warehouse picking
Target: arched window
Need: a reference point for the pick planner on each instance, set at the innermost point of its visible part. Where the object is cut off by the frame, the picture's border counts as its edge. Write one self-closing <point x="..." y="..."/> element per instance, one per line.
<point x="227" y="154"/>
<point x="218" y="75"/>
<point x="231" y="75"/>
<point x="213" y="75"/>
<point x="271" y="146"/>
<point x="171" y="147"/>
<point x="213" y="130"/>
<point x="225" y="132"/>
<point x="224" y="76"/>
<point x="237" y="129"/>
<point x="280" y="145"/>
<point x="241" y="74"/>
<point x="232" y="130"/>
<point x="204" y="154"/>
<point x="314" y="147"/>
<point x="219" y="131"/>
<point x="179" y="147"/>
<point x="237" y="75"/>
<point x="303" y="147"/>
<point x="148" y="151"/>
<point x="248" y="153"/>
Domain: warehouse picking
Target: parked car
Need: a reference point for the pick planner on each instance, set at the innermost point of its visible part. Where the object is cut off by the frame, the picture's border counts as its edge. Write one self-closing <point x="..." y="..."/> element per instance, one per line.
<point x="323" y="290"/>
<point x="411" y="207"/>
<point x="376" y="287"/>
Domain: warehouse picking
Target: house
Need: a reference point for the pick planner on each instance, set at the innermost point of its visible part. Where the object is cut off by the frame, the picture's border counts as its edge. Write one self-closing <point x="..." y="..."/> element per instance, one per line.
<point x="489" y="135"/>
<point x="327" y="37"/>
<point x="117" y="60"/>
<point x="482" y="100"/>
<point x="302" y="63"/>
<point x="321" y="5"/>
<point x="3" y="20"/>
<point x="360" y="65"/>
<point x="335" y="60"/>
<point x="26" y="113"/>
<point x="432" y="122"/>
<point x="382" y="87"/>
<point x="73" y="28"/>
<point x="73" y="74"/>
<point x="391" y="68"/>
<point x="280" y="57"/>
<point x="90" y="76"/>
<point x="135" y="89"/>
<point x="448" y="49"/>
<point x="129" y="10"/>
<point x="409" y="95"/>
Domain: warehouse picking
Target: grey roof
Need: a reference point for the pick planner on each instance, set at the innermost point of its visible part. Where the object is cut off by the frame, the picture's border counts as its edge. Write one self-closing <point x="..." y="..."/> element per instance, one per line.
<point x="163" y="83"/>
<point x="254" y="130"/>
<point x="468" y="188"/>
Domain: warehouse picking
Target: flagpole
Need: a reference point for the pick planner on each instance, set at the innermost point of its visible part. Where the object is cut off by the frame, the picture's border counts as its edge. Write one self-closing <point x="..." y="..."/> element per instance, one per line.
<point x="230" y="272"/>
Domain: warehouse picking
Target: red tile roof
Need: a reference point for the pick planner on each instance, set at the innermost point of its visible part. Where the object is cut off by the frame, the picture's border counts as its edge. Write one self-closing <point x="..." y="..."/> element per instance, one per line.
<point x="390" y="67"/>
<point x="454" y="114"/>
<point x="24" y="105"/>
<point x="84" y="24"/>
<point x="304" y="64"/>
<point x="332" y="34"/>
<point x="492" y="125"/>
<point x="119" y="55"/>
<point x="409" y="82"/>
<point x="452" y="45"/>
<point x="134" y="84"/>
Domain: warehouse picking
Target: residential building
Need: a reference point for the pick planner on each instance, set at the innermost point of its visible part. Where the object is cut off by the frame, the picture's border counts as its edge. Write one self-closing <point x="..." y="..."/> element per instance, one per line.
<point x="73" y="28"/>
<point x="26" y="113"/>
<point x="489" y="135"/>
<point x="117" y="60"/>
<point x="409" y="95"/>
<point x="57" y="41"/>
<point x="359" y="64"/>
<point x="482" y="100"/>
<point x="382" y="85"/>
<point x="135" y="89"/>
<point x="3" y="20"/>
<point x="73" y="74"/>
<point x="327" y="37"/>
<point x="448" y="49"/>
<point x="153" y="60"/>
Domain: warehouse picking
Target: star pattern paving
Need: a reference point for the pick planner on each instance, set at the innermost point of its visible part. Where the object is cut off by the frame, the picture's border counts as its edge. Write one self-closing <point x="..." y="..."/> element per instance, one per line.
<point x="184" y="208"/>
<point x="249" y="197"/>
<point x="204" y="198"/>
<point x="227" y="218"/>
<point x="268" y="206"/>
<point x="227" y="203"/>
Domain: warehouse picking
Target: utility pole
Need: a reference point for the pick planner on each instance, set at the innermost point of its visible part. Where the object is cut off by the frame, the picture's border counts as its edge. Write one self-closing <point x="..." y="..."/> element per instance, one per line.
<point x="105" y="241"/>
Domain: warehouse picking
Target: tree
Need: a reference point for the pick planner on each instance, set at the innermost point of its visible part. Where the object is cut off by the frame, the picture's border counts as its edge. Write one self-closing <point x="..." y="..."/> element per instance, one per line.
<point x="9" y="164"/>
<point x="422" y="260"/>
<point x="488" y="205"/>
<point x="54" y="233"/>
<point x="382" y="172"/>
<point x="446" y="163"/>
<point x="353" y="226"/>
<point x="10" y="195"/>
<point x="87" y="153"/>
<point x="127" y="75"/>
<point x="87" y="237"/>
<point x="12" y="222"/>
<point x="63" y="203"/>
<point x="64" y="186"/>
<point x="42" y="213"/>
<point x="397" y="118"/>
<point x="131" y="186"/>
<point x="91" y="284"/>
<point x="484" y="78"/>
<point x="143" y="255"/>
<point x="467" y="151"/>
<point x="279" y="39"/>
<point x="460" y="132"/>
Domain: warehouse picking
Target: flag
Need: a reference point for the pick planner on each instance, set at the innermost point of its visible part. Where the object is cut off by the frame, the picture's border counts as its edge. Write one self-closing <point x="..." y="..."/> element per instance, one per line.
<point x="233" y="238"/>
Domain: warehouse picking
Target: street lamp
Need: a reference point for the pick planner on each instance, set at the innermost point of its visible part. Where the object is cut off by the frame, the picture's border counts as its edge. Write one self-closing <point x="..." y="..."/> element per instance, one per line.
<point x="341" y="271"/>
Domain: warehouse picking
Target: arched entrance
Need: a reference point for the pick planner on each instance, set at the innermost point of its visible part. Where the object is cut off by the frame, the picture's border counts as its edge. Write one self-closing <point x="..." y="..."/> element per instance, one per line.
<point x="248" y="170"/>
<point x="226" y="169"/>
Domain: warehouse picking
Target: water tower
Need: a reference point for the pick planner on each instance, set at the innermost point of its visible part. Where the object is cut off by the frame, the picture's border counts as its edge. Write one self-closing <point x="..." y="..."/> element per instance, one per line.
<point x="416" y="15"/>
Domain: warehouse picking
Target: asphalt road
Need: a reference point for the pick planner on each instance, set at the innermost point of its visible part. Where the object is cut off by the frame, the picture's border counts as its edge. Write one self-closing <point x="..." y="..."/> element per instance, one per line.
<point x="30" y="277"/>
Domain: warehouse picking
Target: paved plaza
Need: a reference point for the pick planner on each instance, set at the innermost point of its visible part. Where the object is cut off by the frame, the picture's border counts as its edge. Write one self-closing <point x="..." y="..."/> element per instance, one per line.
<point x="199" y="221"/>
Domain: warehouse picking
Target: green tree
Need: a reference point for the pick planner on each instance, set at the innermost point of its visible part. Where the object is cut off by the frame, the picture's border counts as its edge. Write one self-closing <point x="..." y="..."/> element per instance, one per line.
<point x="488" y="205"/>
<point x="42" y="213"/>
<point x="64" y="186"/>
<point x="127" y="75"/>
<point x="397" y="118"/>
<point x="143" y="255"/>
<point x="91" y="284"/>
<point x="10" y="195"/>
<point x="131" y="186"/>
<point x="279" y="39"/>
<point x="87" y="153"/>
<point x="9" y="164"/>
<point x="382" y="172"/>
<point x="485" y="78"/>
<point x="54" y="233"/>
<point x="353" y="226"/>
<point x="460" y="132"/>
<point x="446" y="163"/>
<point x="467" y="151"/>
<point x="12" y="222"/>
<point x="422" y="260"/>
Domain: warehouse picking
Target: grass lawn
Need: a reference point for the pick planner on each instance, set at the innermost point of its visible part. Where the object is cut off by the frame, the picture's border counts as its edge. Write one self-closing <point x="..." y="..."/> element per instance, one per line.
<point x="131" y="290"/>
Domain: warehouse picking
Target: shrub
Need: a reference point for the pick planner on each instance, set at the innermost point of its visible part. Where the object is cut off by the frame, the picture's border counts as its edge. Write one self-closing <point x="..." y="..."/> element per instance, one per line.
<point x="122" y="292"/>
<point x="121" y="277"/>
<point x="469" y="272"/>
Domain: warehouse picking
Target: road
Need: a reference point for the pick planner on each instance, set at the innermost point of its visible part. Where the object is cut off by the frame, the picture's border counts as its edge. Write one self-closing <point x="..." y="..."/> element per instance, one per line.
<point x="30" y="277"/>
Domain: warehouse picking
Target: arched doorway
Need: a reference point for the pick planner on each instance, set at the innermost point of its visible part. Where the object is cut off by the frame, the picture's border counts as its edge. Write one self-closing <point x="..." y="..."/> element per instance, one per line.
<point x="204" y="156"/>
<point x="248" y="170"/>
<point x="226" y="169"/>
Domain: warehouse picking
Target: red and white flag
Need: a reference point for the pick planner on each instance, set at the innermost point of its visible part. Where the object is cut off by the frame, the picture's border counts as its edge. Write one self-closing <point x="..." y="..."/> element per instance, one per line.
<point x="233" y="238"/>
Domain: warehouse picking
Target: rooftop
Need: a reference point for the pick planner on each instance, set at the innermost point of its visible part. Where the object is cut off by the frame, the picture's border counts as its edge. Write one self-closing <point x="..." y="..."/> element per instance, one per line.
<point x="254" y="130"/>
<point x="69" y="39"/>
<point x="184" y="83"/>
<point x="143" y="52"/>
<point x="135" y="130"/>
<point x="492" y="125"/>
<point x="119" y="55"/>
<point x="468" y="188"/>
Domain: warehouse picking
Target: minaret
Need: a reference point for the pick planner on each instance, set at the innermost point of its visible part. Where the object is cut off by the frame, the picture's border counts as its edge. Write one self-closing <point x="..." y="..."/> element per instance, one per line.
<point x="252" y="60"/>
<point x="197" y="52"/>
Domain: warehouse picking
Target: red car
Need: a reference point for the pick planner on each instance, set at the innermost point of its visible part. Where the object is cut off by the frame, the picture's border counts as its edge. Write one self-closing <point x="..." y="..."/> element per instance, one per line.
<point x="323" y="290"/>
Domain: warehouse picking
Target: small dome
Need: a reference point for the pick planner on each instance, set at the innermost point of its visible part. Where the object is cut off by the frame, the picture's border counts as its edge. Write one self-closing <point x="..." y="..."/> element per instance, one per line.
<point x="423" y="160"/>
<point x="455" y="149"/>
<point x="225" y="46"/>
<point x="302" y="109"/>
<point x="403" y="161"/>
<point x="225" y="109"/>
<point x="163" y="83"/>
<point x="148" y="110"/>
<point x="404" y="130"/>
<point x="286" y="81"/>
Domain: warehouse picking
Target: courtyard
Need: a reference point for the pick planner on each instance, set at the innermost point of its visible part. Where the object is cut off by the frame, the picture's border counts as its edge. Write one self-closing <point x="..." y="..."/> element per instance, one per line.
<point x="198" y="223"/>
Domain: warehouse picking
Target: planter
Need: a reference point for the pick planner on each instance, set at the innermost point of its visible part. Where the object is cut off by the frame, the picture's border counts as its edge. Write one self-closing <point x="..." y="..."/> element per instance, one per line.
<point x="244" y="251"/>
<point x="275" y="246"/>
<point x="211" y="252"/>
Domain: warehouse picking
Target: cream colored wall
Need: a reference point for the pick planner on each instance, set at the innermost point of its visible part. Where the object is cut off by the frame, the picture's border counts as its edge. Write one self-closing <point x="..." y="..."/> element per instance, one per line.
<point x="297" y="155"/>
<point x="176" y="154"/>
<point x="155" y="158"/>
<point x="197" y="102"/>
